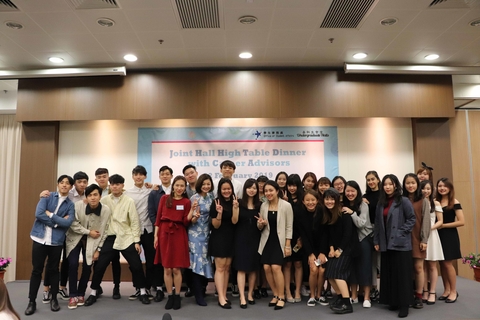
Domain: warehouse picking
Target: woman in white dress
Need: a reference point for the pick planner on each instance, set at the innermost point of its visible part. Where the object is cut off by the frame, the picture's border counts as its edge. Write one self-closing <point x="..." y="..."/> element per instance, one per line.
<point x="434" y="249"/>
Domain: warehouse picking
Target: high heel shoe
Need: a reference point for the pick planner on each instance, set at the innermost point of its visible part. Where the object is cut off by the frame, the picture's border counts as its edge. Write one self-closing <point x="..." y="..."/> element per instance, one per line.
<point x="272" y="303"/>
<point x="425" y="300"/>
<point x="225" y="306"/>
<point x="450" y="300"/>
<point x="442" y="297"/>
<point x="434" y="296"/>
<point x="251" y="301"/>
<point x="282" y="301"/>
<point x="243" y="305"/>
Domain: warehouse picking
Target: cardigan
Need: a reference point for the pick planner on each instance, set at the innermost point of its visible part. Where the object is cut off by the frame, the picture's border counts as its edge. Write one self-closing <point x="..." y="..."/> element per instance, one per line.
<point x="284" y="224"/>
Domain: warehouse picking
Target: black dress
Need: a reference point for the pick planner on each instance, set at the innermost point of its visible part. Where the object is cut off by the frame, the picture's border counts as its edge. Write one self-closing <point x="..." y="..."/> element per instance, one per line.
<point x="247" y="238"/>
<point x="221" y="240"/>
<point x="342" y="235"/>
<point x="449" y="236"/>
<point x="297" y="211"/>
<point x="272" y="252"/>
<point x="372" y="198"/>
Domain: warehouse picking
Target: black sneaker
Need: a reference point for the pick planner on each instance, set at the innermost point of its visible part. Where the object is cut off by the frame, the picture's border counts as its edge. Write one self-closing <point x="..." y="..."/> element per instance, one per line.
<point x="374" y="294"/>
<point x="159" y="296"/>
<point x="343" y="307"/>
<point x="63" y="294"/>
<point x="144" y="299"/>
<point x="335" y="302"/>
<point x="47" y="296"/>
<point x="116" y="293"/>
<point x="135" y="296"/>
<point x="169" y="304"/>
<point x="90" y="300"/>
<point x="328" y="294"/>
<point x="417" y="303"/>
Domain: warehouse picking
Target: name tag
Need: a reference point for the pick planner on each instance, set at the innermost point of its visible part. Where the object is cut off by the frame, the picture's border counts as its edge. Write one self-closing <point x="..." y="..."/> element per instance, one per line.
<point x="180" y="207"/>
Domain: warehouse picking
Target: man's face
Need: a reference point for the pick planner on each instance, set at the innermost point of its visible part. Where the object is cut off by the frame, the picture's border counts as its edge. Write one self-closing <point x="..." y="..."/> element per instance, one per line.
<point x="227" y="172"/>
<point x="93" y="198"/>
<point x="81" y="185"/>
<point x="117" y="189"/>
<point x="165" y="177"/>
<point x="138" y="178"/>
<point x="191" y="175"/>
<point x="102" y="180"/>
<point x="63" y="187"/>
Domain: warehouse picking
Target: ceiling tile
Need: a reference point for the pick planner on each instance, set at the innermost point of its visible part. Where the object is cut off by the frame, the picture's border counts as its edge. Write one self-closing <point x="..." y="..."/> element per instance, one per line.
<point x="433" y="20"/>
<point x="246" y="38"/>
<point x="29" y="25"/>
<point x="258" y="55"/>
<point x="59" y="22"/>
<point x="264" y="16"/>
<point x="127" y="42"/>
<point x="91" y="57"/>
<point x="203" y="38"/>
<point x="206" y="55"/>
<point x="284" y="54"/>
<point x="37" y="43"/>
<point x="297" y="18"/>
<point x="289" y="38"/>
<point x="171" y="39"/>
<point x="166" y="56"/>
<point x="153" y="20"/>
<point x="90" y="17"/>
<point x="79" y="42"/>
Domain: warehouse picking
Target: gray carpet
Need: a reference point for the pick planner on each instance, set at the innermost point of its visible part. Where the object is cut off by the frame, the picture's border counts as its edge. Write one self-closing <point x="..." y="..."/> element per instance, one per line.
<point x="466" y="307"/>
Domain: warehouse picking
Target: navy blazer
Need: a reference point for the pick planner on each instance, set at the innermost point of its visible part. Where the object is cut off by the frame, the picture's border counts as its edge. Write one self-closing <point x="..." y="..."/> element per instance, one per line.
<point x="395" y="234"/>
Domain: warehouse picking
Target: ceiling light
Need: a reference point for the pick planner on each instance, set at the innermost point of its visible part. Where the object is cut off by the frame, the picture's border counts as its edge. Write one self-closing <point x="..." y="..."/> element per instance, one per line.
<point x="432" y="57"/>
<point x="245" y="55"/>
<point x="388" y="21"/>
<point x="247" y="19"/>
<point x="106" y="22"/>
<point x="55" y="59"/>
<point x="360" y="55"/>
<point x="14" y="25"/>
<point x="130" y="57"/>
<point x="475" y="23"/>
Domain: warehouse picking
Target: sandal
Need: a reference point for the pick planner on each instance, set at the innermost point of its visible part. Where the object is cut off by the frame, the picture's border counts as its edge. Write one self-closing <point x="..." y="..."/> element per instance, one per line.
<point x="423" y="299"/>
<point x="272" y="303"/>
<point x="282" y="301"/>
<point x="434" y="298"/>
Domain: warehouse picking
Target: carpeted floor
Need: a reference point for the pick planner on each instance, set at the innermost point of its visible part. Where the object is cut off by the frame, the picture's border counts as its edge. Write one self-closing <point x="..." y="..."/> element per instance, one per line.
<point x="466" y="307"/>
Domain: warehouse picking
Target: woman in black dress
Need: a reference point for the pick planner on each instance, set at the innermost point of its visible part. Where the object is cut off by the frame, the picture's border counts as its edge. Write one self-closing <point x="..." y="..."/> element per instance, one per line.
<point x="452" y="219"/>
<point x="247" y="238"/>
<point x="276" y="223"/>
<point x="224" y="216"/>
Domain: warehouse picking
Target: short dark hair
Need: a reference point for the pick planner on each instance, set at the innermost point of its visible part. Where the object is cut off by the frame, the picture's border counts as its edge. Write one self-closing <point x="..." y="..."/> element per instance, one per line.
<point x="79" y="176"/>
<point x="324" y="180"/>
<point x="100" y="171"/>
<point x="228" y="163"/>
<point x="63" y="176"/>
<point x="116" y="178"/>
<point x="139" y="169"/>
<point x="163" y="168"/>
<point x="92" y="188"/>
<point x="201" y="180"/>
<point x="262" y="179"/>
<point x="188" y="166"/>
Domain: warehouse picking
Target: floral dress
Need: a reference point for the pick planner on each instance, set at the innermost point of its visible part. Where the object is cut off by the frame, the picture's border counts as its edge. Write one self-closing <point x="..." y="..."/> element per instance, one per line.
<point x="198" y="236"/>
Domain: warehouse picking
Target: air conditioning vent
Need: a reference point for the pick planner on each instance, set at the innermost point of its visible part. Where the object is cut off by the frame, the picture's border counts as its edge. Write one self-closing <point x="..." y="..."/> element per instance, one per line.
<point x="7" y="6"/>
<point x="194" y="14"/>
<point x="347" y="14"/>
<point x="95" y="4"/>
<point x="454" y="4"/>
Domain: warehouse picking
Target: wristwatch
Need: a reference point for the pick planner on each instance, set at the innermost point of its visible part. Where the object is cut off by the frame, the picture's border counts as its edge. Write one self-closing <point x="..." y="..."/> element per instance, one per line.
<point x="340" y="250"/>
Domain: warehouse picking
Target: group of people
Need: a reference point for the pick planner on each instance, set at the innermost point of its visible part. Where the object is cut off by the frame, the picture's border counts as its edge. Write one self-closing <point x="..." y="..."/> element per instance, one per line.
<point x="283" y="232"/>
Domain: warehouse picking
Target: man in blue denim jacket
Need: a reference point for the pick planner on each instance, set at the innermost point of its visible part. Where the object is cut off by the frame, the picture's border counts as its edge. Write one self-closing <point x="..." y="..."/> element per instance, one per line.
<point x="53" y="217"/>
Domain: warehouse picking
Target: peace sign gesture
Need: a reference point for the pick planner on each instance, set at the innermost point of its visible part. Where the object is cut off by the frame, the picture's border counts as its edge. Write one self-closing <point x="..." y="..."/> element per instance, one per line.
<point x="218" y="206"/>
<point x="195" y="205"/>
<point x="235" y="202"/>
<point x="284" y="195"/>
<point x="261" y="222"/>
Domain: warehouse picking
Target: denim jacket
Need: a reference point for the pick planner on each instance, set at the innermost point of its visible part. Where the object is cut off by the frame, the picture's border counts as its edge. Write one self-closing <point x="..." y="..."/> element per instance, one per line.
<point x="57" y="222"/>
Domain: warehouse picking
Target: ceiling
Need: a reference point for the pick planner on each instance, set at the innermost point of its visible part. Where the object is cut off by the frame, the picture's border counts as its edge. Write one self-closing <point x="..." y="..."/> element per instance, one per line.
<point x="288" y="33"/>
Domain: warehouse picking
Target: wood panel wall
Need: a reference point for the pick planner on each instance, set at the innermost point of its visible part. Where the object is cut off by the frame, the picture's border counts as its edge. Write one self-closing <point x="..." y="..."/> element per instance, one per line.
<point x="234" y="94"/>
<point x="465" y="148"/>
<point x="38" y="171"/>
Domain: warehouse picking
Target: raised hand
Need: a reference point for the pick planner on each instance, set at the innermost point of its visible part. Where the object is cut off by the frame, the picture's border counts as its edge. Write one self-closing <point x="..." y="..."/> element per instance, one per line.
<point x="218" y="206"/>
<point x="262" y="222"/>
<point x="284" y="195"/>
<point x="235" y="202"/>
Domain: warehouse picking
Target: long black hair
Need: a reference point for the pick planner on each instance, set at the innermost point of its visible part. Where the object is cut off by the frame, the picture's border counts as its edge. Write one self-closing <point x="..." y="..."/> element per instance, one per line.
<point x="423" y="184"/>
<point x="294" y="180"/>
<point x="397" y="192"/>
<point x="223" y="201"/>
<point x="417" y="194"/>
<point x="375" y="174"/>
<point x="358" y="199"/>
<point x="256" y="198"/>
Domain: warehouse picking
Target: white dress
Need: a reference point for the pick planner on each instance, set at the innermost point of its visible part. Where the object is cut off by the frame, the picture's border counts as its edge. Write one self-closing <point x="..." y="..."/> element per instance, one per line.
<point x="434" y="247"/>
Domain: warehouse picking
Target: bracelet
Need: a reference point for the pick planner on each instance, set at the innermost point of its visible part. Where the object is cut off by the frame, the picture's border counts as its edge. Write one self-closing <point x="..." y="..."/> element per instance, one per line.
<point x="288" y="247"/>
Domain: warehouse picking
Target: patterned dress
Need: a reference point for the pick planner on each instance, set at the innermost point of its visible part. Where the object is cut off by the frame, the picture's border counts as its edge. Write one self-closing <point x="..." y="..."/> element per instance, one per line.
<point x="198" y="237"/>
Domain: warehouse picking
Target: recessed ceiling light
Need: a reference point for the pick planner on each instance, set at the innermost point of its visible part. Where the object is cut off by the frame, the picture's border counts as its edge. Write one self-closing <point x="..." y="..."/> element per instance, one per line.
<point x="247" y="19"/>
<point x="245" y="55"/>
<point x="390" y="21"/>
<point x="475" y="23"/>
<point x="130" y="57"/>
<point x="360" y="55"/>
<point x="14" y="25"/>
<point x="432" y="56"/>
<point x="55" y="59"/>
<point x="106" y="22"/>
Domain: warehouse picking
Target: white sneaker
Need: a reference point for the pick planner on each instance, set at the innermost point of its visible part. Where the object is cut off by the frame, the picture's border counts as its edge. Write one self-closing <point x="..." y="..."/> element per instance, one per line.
<point x="353" y="301"/>
<point x="367" y="304"/>
<point x="304" y="292"/>
<point x="311" y="302"/>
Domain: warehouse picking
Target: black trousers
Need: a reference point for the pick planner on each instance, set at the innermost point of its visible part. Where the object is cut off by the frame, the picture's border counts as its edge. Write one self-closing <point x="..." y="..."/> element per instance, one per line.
<point x="63" y="270"/>
<point x="106" y="256"/>
<point x="40" y="253"/>
<point x="74" y="289"/>
<point x="146" y="240"/>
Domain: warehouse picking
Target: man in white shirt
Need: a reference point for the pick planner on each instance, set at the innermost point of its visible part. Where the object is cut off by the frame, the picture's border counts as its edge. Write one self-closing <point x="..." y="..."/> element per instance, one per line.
<point x="227" y="168"/>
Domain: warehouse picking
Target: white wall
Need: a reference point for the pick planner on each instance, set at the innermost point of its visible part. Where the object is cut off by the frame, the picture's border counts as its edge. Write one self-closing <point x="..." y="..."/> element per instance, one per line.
<point x="382" y="144"/>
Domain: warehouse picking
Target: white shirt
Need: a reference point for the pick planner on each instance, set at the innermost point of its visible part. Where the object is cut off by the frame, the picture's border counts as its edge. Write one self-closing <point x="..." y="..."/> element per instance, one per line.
<point x="75" y="196"/>
<point x="140" y="197"/>
<point x="168" y="189"/>
<point x="47" y="239"/>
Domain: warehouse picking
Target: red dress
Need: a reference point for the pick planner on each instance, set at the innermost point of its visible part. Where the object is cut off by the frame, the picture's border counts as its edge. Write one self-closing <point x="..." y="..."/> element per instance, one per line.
<point x="172" y="249"/>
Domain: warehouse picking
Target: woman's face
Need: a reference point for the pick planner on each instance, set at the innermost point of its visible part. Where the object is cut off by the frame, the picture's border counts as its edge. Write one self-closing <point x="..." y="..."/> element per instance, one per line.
<point x="372" y="182"/>
<point x="443" y="189"/>
<point x="388" y="187"/>
<point x="292" y="188"/>
<point x="322" y="187"/>
<point x="226" y="190"/>
<point x="252" y="190"/>
<point x="282" y="181"/>
<point x="351" y="193"/>
<point x="339" y="185"/>
<point x="179" y="187"/>
<point x="206" y="186"/>
<point x="310" y="202"/>
<point x="427" y="190"/>
<point x="411" y="185"/>
<point x="270" y="192"/>
<point x="308" y="183"/>
<point x="423" y="176"/>
<point x="329" y="203"/>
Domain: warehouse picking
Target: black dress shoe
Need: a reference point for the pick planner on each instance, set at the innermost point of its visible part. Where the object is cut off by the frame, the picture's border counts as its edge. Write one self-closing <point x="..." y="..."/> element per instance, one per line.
<point x="344" y="307"/>
<point x="441" y="298"/>
<point x="417" y="303"/>
<point x="251" y="301"/>
<point x="169" y="304"/>
<point x="452" y="300"/>
<point x="116" y="293"/>
<point x="188" y="293"/>
<point x="32" y="306"/>
<point x="243" y="306"/>
<point x="90" y="300"/>
<point x="159" y="296"/>
<point x="54" y="305"/>
<point x="256" y="294"/>
<point x="272" y="303"/>
<point x="144" y="299"/>
<point x="281" y="305"/>
<point x="224" y="306"/>
<point x="99" y="291"/>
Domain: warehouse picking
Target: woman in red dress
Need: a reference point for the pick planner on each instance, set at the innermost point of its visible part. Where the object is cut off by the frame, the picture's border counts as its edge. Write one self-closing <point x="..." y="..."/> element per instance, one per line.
<point x="171" y="241"/>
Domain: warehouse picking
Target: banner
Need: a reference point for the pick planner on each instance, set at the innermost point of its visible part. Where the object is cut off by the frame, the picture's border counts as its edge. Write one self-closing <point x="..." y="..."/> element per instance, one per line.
<point x="255" y="151"/>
